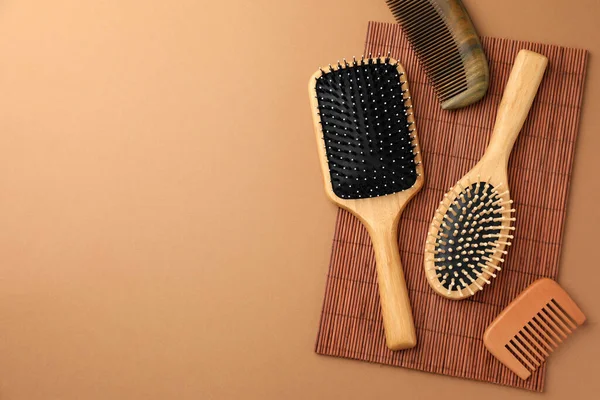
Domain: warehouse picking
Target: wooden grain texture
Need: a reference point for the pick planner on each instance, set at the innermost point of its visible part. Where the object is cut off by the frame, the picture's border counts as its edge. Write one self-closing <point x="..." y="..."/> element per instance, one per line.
<point x="380" y="215"/>
<point x="472" y="70"/>
<point x="517" y="100"/>
<point x="449" y="334"/>
<point x="532" y="326"/>
<point x="474" y="60"/>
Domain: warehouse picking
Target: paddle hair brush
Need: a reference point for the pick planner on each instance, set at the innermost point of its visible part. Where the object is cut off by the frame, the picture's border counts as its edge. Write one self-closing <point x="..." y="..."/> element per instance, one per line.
<point x="447" y="46"/>
<point x="369" y="154"/>
<point x="471" y="229"/>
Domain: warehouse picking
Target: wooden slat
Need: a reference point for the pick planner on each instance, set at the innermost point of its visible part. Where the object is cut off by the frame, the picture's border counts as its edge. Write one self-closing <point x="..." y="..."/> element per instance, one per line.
<point x="450" y="333"/>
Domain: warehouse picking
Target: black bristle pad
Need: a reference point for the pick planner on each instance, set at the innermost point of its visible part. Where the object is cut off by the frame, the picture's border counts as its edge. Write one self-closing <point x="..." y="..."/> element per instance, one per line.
<point x="460" y="254"/>
<point x="366" y="131"/>
<point x="433" y="43"/>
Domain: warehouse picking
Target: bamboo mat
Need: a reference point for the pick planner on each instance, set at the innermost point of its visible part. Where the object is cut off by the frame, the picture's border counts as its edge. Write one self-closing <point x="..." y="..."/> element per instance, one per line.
<point x="450" y="333"/>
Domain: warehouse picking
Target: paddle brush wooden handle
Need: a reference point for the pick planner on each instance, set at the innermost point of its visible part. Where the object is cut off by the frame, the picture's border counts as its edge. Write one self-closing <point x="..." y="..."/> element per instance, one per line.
<point x="519" y="93"/>
<point x="393" y="294"/>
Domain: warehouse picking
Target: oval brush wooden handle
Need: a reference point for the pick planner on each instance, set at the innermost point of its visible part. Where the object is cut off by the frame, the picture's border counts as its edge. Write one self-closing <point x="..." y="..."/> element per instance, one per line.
<point x="393" y="294"/>
<point x="519" y="93"/>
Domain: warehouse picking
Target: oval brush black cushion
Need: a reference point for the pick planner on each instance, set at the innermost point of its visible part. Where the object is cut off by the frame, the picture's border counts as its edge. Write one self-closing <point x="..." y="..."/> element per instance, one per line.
<point x="366" y="130"/>
<point x="468" y="228"/>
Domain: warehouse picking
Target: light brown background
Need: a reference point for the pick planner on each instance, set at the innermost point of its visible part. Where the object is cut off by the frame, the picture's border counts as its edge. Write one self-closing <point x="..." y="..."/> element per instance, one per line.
<point x="163" y="228"/>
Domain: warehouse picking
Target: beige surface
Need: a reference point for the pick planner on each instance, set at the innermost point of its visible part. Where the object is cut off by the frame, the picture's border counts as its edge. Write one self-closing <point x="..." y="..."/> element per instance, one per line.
<point x="148" y="195"/>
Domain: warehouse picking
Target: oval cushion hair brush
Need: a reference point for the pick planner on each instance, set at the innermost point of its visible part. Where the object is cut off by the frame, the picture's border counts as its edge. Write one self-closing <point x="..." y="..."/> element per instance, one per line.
<point x="369" y="156"/>
<point x="471" y="229"/>
<point x="447" y="46"/>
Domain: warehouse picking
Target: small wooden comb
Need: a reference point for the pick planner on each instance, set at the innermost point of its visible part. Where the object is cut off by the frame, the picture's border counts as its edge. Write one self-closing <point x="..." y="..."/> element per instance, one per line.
<point x="532" y="326"/>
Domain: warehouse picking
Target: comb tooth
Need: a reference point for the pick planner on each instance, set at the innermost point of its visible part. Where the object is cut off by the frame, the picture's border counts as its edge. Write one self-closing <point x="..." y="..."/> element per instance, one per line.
<point x="535" y="343"/>
<point x="449" y="84"/>
<point x="426" y="39"/>
<point x="433" y="44"/>
<point x="522" y="359"/>
<point x="541" y="336"/>
<point x="543" y="313"/>
<point x="512" y="361"/>
<point x="426" y="19"/>
<point x="564" y="316"/>
<point x="538" y="337"/>
<point x="459" y="89"/>
<point x="402" y="6"/>
<point x="567" y="310"/>
<point x="531" y="347"/>
<point x="557" y="319"/>
<point x="413" y="12"/>
<point x="518" y="342"/>
<point x="446" y="78"/>
<point x="546" y="331"/>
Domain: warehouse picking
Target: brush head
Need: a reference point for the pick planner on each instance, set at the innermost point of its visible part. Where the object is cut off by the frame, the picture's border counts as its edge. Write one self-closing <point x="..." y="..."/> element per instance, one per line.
<point x="467" y="238"/>
<point x="447" y="46"/>
<point x="368" y="131"/>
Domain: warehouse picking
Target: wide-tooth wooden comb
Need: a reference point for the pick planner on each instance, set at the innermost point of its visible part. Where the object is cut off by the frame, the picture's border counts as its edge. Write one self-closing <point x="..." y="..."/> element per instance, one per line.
<point x="532" y="326"/>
